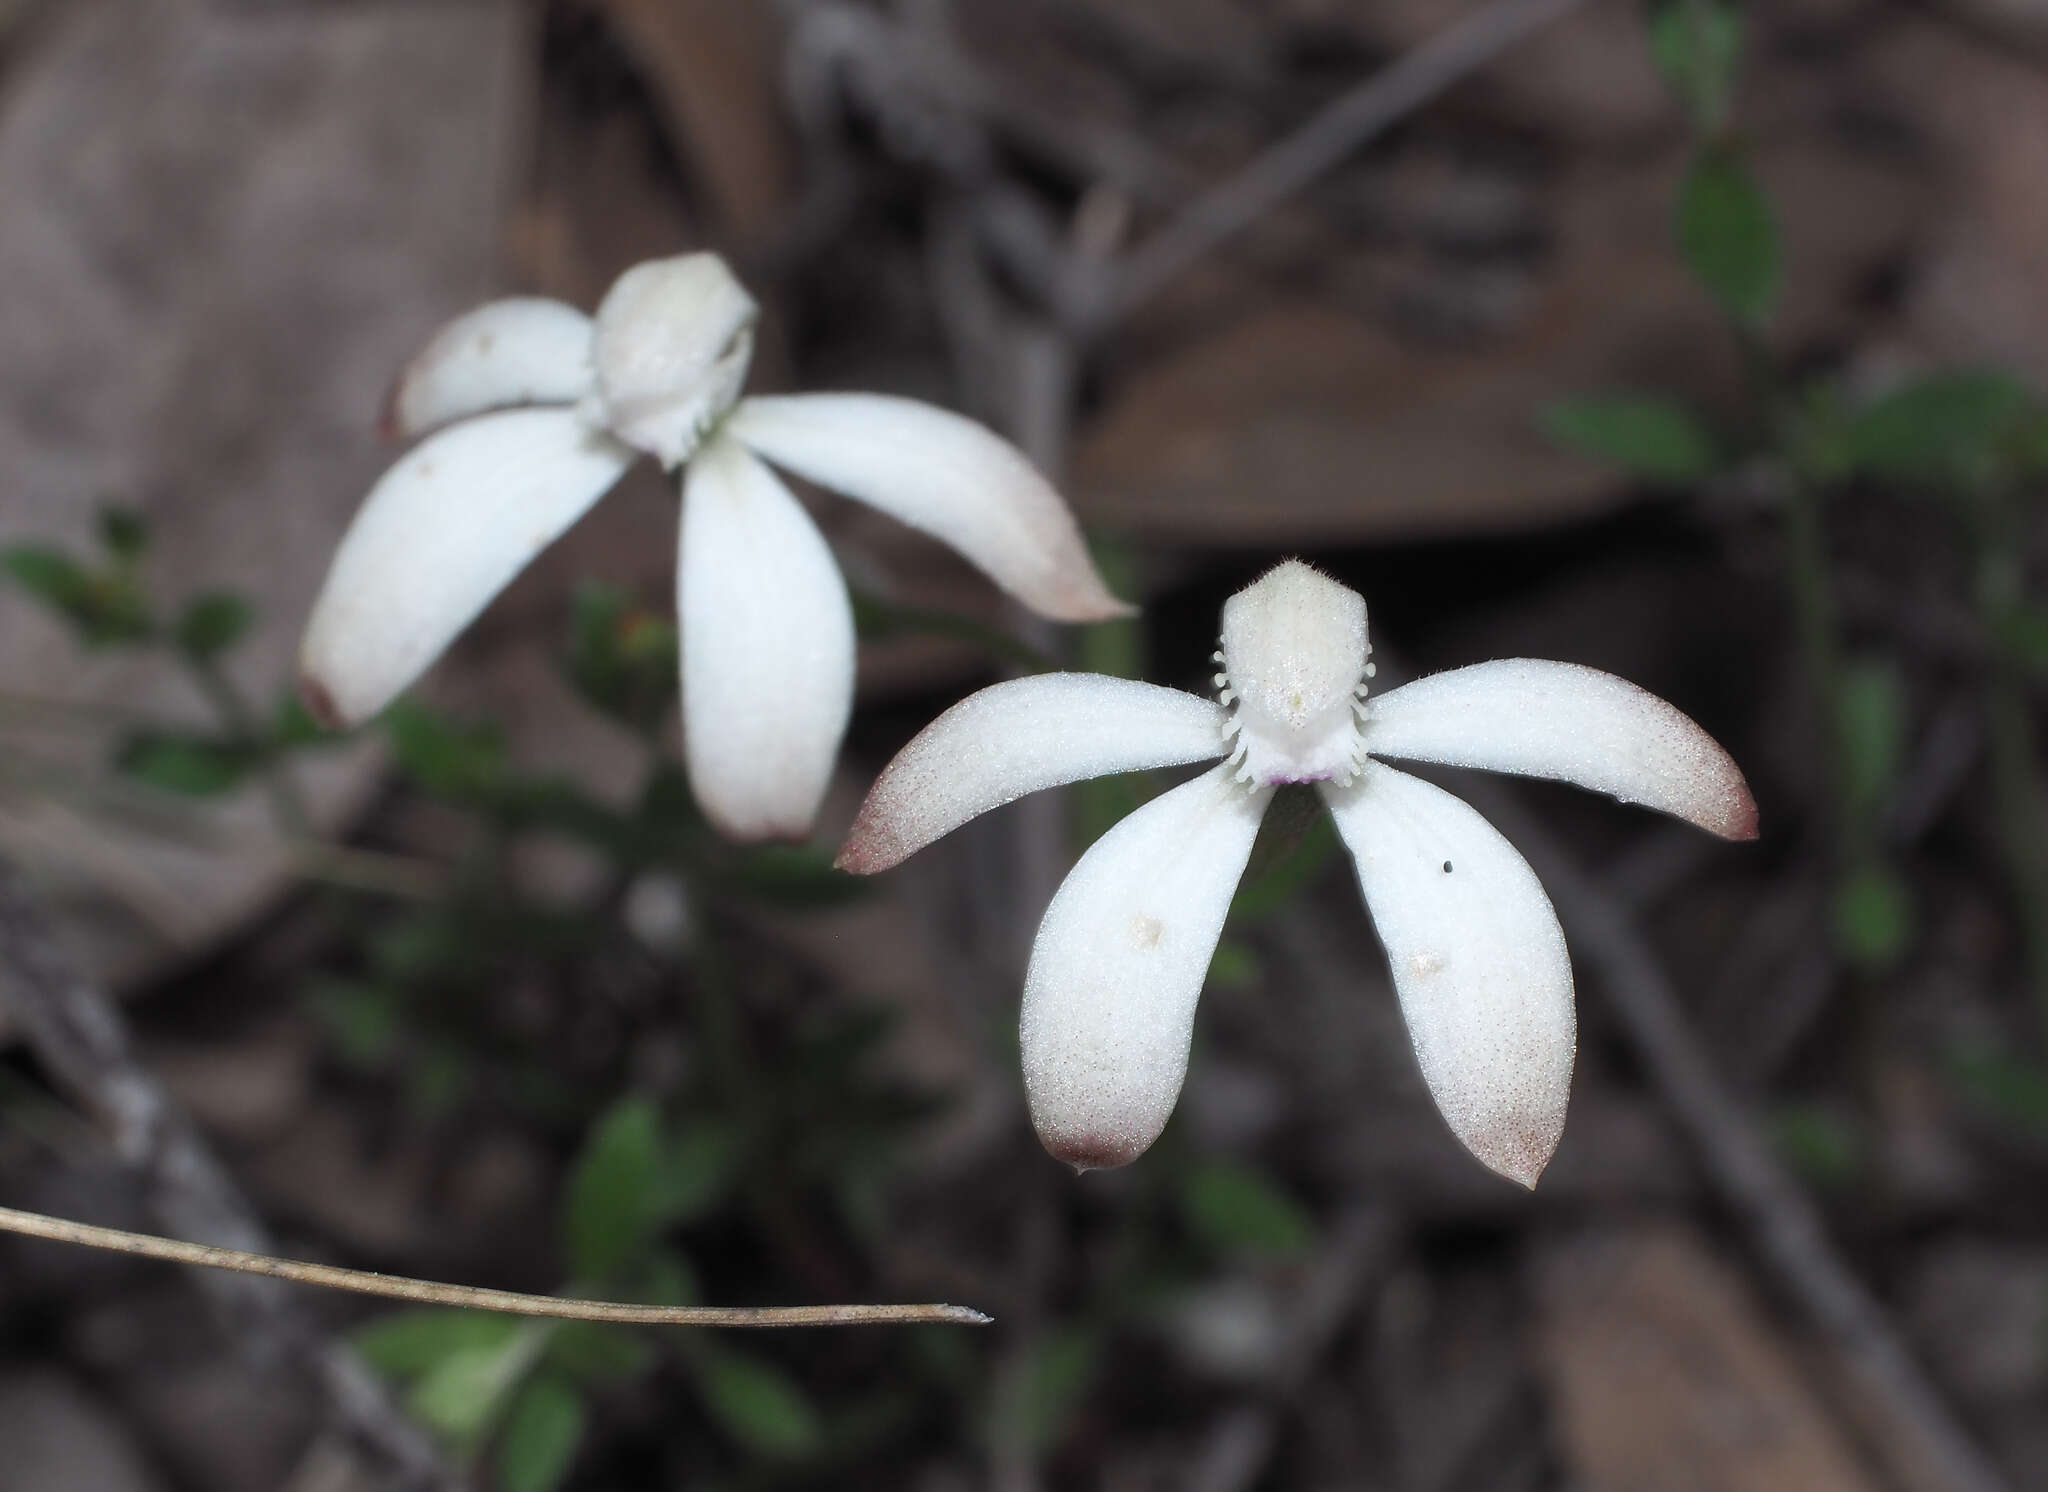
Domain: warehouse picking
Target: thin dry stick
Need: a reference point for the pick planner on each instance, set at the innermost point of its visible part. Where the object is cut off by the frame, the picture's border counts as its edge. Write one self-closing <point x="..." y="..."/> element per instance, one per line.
<point x="1381" y="101"/>
<point x="468" y="1297"/>
<point x="78" y="1036"/>
<point x="1933" y="1451"/>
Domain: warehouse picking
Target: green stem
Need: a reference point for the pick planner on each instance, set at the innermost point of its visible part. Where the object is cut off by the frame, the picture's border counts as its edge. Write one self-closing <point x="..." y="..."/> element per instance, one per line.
<point x="2015" y="780"/>
<point x="1809" y="574"/>
<point x="238" y="719"/>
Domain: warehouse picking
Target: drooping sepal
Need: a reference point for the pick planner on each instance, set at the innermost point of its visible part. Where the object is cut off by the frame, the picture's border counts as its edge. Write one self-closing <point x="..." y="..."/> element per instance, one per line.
<point x="1478" y="960"/>
<point x="443" y="531"/>
<point x="767" y="649"/>
<point x="1109" y="1000"/>
<point x="944" y="474"/>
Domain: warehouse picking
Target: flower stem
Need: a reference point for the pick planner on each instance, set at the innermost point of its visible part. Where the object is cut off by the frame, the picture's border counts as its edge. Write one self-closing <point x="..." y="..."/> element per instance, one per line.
<point x="238" y="719"/>
<point x="505" y="1302"/>
<point x="2015" y="782"/>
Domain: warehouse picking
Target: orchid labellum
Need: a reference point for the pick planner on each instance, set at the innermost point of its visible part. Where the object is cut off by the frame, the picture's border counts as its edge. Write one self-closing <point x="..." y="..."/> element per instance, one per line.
<point x="1478" y="960"/>
<point x="767" y="631"/>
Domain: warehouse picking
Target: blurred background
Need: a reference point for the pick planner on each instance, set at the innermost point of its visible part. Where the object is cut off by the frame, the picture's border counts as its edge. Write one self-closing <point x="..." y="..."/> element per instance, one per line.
<point x="1700" y="343"/>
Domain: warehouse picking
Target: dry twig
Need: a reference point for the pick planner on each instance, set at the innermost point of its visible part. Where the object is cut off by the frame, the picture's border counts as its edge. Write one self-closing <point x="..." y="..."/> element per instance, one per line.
<point x="81" y="1042"/>
<point x="470" y="1297"/>
<point x="1930" y="1449"/>
<point x="1371" y="108"/>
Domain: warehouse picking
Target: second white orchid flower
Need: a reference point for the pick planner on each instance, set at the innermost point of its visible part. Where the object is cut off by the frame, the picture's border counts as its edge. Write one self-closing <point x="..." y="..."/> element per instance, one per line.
<point x="766" y="626"/>
<point x="1478" y="960"/>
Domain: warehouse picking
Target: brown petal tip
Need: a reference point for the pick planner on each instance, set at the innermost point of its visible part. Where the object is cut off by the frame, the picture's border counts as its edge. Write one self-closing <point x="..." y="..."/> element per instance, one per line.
<point x="320" y="704"/>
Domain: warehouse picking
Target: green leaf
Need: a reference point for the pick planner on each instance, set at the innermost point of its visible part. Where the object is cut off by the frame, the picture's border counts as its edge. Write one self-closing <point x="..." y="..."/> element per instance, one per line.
<point x="1656" y="439"/>
<point x="408" y="1344"/>
<point x="758" y="1404"/>
<point x="193" y="766"/>
<point x="461" y="1394"/>
<point x="1041" y="1396"/>
<point x="1099" y="804"/>
<point x="454" y="760"/>
<point x="106" y="609"/>
<point x="2023" y="634"/>
<point x="1696" y="44"/>
<point x="542" y="1431"/>
<point x="362" y="1021"/>
<point x="125" y="533"/>
<point x="1823" y="1145"/>
<point x="50" y="575"/>
<point x="212" y="623"/>
<point x="293" y="726"/>
<point x="876" y="620"/>
<point x="1873" y="917"/>
<point x="792" y="875"/>
<point x="622" y="656"/>
<point x="1870" y="717"/>
<point x="1115" y="647"/>
<point x="595" y="1352"/>
<point x="609" y="1219"/>
<point x="1729" y="236"/>
<point x="1233" y="966"/>
<point x="1947" y="428"/>
<point x="696" y="1173"/>
<point x="666" y="1279"/>
<point x="1236" y="1210"/>
<point x="2008" y="1087"/>
<point x="1294" y="846"/>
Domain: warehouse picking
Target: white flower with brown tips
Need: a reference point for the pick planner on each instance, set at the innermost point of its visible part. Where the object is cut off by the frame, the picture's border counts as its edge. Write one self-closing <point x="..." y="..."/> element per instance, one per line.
<point x="1478" y="960"/>
<point x="544" y="410"/>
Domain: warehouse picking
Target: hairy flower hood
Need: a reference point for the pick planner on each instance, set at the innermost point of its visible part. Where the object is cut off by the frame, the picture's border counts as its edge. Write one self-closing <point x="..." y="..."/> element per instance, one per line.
<point x="1477" y="958"/>
<point x="531" y="411"/>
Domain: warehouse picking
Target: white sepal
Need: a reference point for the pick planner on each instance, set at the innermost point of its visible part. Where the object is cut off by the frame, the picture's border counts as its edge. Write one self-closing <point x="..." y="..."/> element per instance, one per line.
<point x="767" y="648"/>
<point x="670" y="350"/>
<point x="1109" y="1001"/>
<point x="520" y="351"/>
<point x="1478" y="961"/>
<point x="441" y="533"/>
<point x="1016" y="738"/>
<point x="944" y="474"/>
<point x="1572" y="723"/>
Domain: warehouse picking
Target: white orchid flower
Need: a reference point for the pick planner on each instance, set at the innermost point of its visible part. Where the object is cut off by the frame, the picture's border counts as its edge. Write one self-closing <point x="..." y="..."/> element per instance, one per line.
<point x="767" y="631"/>
<point x="1478" y="961"/>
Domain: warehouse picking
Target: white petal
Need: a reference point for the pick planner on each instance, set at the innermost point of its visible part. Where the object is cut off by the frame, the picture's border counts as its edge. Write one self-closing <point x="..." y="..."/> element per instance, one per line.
<point x="942" y="473"/>
<point x="767" y="648"/>
<point x="441" y="533"/>
<point x="1015" y="738"/>
<point x="519" y="351"/>
<point x="1478" y="960"/>
<point x="1109" y="1002"/>
<point x="1569" y="722"/>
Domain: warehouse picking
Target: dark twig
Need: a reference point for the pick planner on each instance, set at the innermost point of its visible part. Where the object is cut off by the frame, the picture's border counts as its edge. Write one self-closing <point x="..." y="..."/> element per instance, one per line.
<point x="79" y="1038"/>
<point x="1383" y="100"/>
<point x="1931" y="1451"/>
